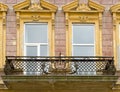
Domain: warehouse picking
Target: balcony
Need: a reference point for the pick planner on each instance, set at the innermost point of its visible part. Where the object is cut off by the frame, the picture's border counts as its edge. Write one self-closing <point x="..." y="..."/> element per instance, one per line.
<point x="31" y="65"/>
<point x="58" y="73"/>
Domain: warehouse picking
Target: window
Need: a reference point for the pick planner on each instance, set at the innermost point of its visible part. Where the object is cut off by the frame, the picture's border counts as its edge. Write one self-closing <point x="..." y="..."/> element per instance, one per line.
<point x="83" y="44"/>
<point x="36" y="39"/>
<point x="83" y="28"/>
<point x="35" y="44"/>
<point x="34" y="19"/>
<point x="83" y="40"/>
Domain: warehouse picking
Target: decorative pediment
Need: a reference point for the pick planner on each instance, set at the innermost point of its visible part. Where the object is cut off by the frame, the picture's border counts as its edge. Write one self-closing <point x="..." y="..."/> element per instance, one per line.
<point x="35" y="5"/>
<point x="115" y="8"/>
<point x="81" y="7"/>
<point x="3" y="7"/>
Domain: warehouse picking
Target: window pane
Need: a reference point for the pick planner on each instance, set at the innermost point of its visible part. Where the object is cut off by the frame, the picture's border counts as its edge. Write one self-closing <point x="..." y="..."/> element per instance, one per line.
<point x="83" y="50"/>
<point x="83" y="34"/>
<point x="36" y="33"/>
<point x="31" y="50"/>
<point x="43" y="50"/>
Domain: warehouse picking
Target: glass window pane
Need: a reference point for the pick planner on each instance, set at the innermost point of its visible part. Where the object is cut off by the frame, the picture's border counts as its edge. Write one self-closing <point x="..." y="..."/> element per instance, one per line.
<point x="31" y="50"/>
<point x="83" y="50"/>
<point x="43" y="50"/>
<point x="83" y="34"/>
<point x="36" y="33"/>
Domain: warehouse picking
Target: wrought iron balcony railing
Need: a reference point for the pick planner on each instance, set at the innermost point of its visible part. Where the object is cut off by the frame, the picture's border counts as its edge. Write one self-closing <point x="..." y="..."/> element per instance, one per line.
<point x="70" y="65"/>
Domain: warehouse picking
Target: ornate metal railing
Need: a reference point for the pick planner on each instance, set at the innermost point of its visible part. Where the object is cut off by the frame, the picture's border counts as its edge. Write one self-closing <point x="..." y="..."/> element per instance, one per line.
<point x="71" y="65"/>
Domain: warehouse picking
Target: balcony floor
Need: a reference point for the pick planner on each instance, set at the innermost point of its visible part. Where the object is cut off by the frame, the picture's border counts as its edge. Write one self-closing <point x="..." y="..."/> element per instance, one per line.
<point x="60" y="83"/>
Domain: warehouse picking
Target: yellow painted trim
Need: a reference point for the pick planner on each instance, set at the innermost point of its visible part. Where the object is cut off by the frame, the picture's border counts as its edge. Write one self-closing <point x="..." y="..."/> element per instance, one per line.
<point x="98" y="41"/>
<point x="115" y="10"/>
<point x="75" y="4"/>
<point x="83" y="14"/>
<point x="26" y="4"/>
<point x="43" y="13"/>
<point x="96" y="6"/>
<point x="70" y="6"/>
<point x="3" y="10"/>
<point x="20" y="32"/>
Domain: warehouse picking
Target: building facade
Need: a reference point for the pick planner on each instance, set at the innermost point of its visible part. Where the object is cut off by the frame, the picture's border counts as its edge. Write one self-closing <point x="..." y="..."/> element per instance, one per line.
<point x="66" y="27"/>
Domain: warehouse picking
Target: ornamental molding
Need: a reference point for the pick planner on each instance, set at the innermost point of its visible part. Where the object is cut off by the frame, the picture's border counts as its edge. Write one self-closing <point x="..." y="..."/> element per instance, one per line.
<point x="3" y="11"/>
<point x="3" y="7"/>
<point x="83" y="7"/>
<point x="30" y="5"/>
<point x="76" y="5"/>
<point x="83" y="18"/>
<point x="115" y="11"/>
<point x="35" y="17"/>
<point x="35" y="5"/>
<point x="115" y="8"/>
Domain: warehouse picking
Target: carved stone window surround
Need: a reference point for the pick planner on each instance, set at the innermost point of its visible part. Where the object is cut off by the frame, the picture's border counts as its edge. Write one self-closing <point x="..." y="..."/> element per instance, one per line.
<point x="115" y="10"/>
<point x="3" y="10"/>
<point x="91" y="13"/>
<point x="26" y="14"/>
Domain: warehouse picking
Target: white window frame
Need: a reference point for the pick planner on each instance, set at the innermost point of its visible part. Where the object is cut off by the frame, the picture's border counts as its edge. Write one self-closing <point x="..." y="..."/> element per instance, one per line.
<point x="86" y="34"/>
<point x="35" y="44"/>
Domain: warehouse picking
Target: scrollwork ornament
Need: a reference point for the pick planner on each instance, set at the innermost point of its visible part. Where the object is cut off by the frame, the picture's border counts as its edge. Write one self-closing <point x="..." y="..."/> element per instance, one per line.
<point x="83" y="18"/>
<point x="35" y="17"/>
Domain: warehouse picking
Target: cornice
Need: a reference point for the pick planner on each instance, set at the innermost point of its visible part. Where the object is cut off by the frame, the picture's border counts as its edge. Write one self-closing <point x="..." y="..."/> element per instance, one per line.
<point x="70" y="6"/>
<point x="3" y="7"/>
<point x="115" y="8"/>
<point x="96" y="6"/>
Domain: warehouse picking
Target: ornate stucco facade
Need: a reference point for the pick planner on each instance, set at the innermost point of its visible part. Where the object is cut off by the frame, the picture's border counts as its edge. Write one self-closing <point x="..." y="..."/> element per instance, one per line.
<point x="60" y="15"/>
